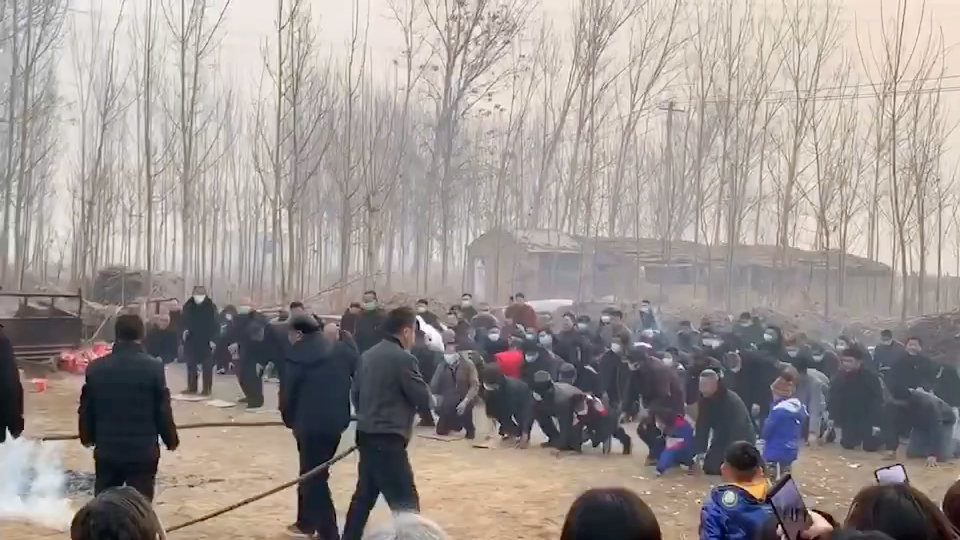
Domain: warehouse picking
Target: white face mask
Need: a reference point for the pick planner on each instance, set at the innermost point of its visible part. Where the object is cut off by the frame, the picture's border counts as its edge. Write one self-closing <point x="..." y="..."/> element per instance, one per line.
<point x="841" y="345"/>
<point x="605" y="319"/>
<point x="645" y="309"/>
<point x="530" y="337"/>
<point x="493" y="336"/>
<point x="546" y="339"/>
<point x="768" y="337"/>
<point x="530" y="357"/>
<point x="616" y="347"/>
<point x="536" y="396"/>
<point x="421" y="309"/>
<point x="818" y="358"/>
<point x="668" y="360"/>
<point x="490" y="387"/>
<point x="451" y="359"/>
<point x="792" y="353"/>
<point x="712" y="343"/>
<point x="581" y="326"/>
<point x="465" y="303"/>
<point x="199" y="298"/>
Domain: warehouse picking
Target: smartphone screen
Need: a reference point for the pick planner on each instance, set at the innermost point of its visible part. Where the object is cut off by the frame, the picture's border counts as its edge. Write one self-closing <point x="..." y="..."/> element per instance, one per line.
<point x="893" y="474"/>
<point x="789" y="508"/>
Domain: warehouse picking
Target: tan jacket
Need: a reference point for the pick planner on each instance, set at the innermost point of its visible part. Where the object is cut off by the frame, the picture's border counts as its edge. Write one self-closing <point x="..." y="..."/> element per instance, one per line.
<point x="460" y="381"/>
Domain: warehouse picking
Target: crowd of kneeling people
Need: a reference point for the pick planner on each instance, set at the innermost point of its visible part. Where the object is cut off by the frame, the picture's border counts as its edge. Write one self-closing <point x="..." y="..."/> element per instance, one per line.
<point x="735" y="510"/>
<point x="692" y="392"/>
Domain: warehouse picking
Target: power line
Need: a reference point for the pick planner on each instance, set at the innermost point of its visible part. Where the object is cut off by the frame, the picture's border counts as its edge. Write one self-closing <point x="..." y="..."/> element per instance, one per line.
<point x="842" y="97"/>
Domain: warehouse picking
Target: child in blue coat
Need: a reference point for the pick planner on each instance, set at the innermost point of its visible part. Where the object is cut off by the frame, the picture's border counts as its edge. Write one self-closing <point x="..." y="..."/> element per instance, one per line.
<point x="783" y="428"/>
<point x="679" y="447"/>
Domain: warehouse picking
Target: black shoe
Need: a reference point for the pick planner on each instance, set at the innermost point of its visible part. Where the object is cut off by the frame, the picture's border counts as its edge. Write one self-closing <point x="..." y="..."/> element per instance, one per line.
<point x="627" y="446"/>
<point x="252" y="407"/>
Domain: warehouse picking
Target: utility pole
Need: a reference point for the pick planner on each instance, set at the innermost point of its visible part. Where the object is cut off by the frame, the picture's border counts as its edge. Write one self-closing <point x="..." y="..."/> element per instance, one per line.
<point x="668" y="194"/>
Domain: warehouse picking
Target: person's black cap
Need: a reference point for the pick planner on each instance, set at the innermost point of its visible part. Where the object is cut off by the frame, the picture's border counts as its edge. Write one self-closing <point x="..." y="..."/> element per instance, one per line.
<point x="305" y="324"/>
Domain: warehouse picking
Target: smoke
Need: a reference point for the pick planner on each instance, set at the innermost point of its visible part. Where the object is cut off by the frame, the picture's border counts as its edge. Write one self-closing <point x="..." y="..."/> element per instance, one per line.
<point x="32" y="482"/>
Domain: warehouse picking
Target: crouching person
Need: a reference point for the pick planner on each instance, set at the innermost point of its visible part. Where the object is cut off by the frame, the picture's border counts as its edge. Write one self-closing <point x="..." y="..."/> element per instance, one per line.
<point x="679" y="447"/>
<point x="509" y="405"/>
<point x="783" y="428"/>
<point x="932" y="435"/>
<point x="598" y="424"/>
<point x="456" y="385"/>
<point x="737" y="509"/>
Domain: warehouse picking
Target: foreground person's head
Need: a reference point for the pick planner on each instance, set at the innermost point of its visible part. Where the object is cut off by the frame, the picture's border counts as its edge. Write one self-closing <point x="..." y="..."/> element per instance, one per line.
<point x="401" y="323"/>
<point x="117" y="514"/>
<point x="900" y="511"/>
<point x="407" y="526"/>
<point x="951" y="504"/>
<point x="610" y="514"/>
<point x="128" y="328"/>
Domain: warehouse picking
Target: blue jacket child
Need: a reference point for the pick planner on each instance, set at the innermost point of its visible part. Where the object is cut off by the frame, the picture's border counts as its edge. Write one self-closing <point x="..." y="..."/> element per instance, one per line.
<point x="737" y="509"/>
<point x="783" y="427"/>
<point x="679" y="447"/>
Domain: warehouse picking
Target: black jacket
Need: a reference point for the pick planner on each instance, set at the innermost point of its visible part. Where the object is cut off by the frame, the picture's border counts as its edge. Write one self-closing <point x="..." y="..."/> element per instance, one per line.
<point x="202" y="323"/>
<point x="856" y="399"/>
<point x="11" y="391"/>
<point x="162" y="343"/>
<point x="125" y="406"/>
<point x="315" y="388"/>
<point x="910" y="371"/>
<point x="512" y="399"/>
<point x="258" y="341"/>
<point x="368" y="329"/>
<point x="388" y="390"/>
<point x="727" y="417"/>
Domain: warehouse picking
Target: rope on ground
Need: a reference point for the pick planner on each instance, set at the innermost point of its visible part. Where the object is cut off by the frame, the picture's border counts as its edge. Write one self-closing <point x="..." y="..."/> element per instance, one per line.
<point x="308" y="475"/>
<point x="264" y="423"/>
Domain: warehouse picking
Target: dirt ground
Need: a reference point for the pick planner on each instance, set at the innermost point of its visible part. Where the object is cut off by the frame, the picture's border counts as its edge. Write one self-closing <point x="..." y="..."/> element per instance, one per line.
<point x="494" y="493"/>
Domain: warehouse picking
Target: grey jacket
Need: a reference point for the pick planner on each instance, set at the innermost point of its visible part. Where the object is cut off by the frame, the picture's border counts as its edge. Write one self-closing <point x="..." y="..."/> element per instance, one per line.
<point x="388" y="390"/>
<point x="812" y="390"/>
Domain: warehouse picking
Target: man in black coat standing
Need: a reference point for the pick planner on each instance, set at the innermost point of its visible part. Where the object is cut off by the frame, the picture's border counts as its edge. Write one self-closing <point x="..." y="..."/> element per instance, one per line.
<point x="11" y="391"/>
<point x="124" y="409"/>
<point x="369" y="321"/>
<point x="200" y="331"/>
<point x="315" y="404"/>
<point x="387" y="392"/>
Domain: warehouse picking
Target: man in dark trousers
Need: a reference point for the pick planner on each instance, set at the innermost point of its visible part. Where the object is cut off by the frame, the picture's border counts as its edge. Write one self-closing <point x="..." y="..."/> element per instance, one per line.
<point x="200" y="331"/>
<point x="387" y="392"/>
<point x="124" y="409"/>
<point x="11" y="391"/>
<point x="315" y="404"/>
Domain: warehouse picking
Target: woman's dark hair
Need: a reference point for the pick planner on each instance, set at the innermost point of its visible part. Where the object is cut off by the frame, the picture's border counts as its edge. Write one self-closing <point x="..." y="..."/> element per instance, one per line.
<point x="951" y="504"/>
<point x="610" y="514"/>
<point x="117" y="514"/>
<point x="900" y="511"/>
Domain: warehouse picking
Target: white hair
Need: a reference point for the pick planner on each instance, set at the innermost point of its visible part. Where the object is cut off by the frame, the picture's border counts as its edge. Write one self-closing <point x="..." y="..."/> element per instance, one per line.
<point x="407" y="526"/>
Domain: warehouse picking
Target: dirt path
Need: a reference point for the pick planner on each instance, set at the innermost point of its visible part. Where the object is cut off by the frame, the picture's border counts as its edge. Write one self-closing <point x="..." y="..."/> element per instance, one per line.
<point x="497" y="493"/>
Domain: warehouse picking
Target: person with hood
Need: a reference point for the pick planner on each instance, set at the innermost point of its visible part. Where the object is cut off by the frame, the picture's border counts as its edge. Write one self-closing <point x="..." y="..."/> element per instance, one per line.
<point x="932" y="435"/>
<point x="855" y="402"/>
<point x="737" y="509"/>
<point x="315" y="406"/>
<point x="369" y="321"/>
<point x="887" y="351"/>
<point x="558" y="401"/>
<point x="509" y="404"/>
<point x="455" y="385"/>
<point x="911" y="371"/>
<point x="11" y="391"/>
<point x="783" y="427"/>
<point x="253" y="344"/>
<point x="520" y="312"/>
<point x="201" y="330"/>
<point x="722" y="419"/>
<point x="748" y="330"/>
<point x="467" y="309"/>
